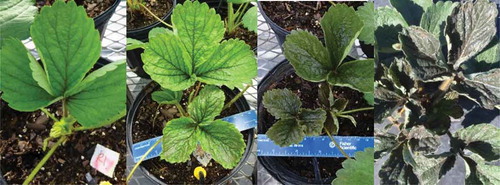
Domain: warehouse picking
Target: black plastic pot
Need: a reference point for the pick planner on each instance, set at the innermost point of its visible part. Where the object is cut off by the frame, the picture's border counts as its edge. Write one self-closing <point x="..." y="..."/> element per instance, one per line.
<point x="101" y="21"/>
<point x="241" y="105"/>
<point x="134" y="60"/>
<point x="279" y="32"/>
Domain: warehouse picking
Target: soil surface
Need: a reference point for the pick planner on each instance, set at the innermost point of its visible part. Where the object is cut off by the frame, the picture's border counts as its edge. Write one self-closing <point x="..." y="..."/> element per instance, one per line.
<point x="141" y="18"/>
<point x="22" y="135"/>
<point x="308" y="93"/>
<point x="303" y="15"/>
<point x="145" y="127"/>
<point x="94" y="8"/>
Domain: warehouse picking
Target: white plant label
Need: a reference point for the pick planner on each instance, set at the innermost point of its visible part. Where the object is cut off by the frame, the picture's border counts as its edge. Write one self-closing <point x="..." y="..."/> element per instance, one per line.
<point x="104" y="160"/>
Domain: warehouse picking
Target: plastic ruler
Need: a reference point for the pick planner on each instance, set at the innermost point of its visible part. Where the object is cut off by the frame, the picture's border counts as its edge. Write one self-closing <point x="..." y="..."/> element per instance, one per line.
<point x="316" y="146"/>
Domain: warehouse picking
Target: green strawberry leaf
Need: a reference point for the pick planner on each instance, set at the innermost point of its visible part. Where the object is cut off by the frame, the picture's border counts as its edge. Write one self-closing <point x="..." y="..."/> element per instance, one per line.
<point x="483" y="139"/>
<point x="282" y="103"/>
<point x="423" y="52"/>
<point x="249" y="20"/>
<point x="134" y="44"/>
<point x="358" y="171"/>
<point x="286" y="132"/>
<point x="389" y="16"/>
<point x="207" y="105"/>
<point x="307" y="55"/>
<point x="367" y="14"/>
<point x="18" y="84"/>
<point x="168" y="63"/>
<point x="368" y="96"/>
<point x="469" y="30"/>
<point x="101" y="100"/>
<point x="223" y="141"/>
<point x="166" y="96"/>
<point x="434" y="19"/>
<point x="180" y="137"/>
<point x="357" y="74"/>
<point x="325" y="96"/>
<point x="17" y="16"/>
<point x="412" y="10"/>
<point x="312" y="120"/>
<point x="232" y="64"/>
<point x="199" y="28"/>
<point x="68" y="45"/>
<point x="341" y="26"/>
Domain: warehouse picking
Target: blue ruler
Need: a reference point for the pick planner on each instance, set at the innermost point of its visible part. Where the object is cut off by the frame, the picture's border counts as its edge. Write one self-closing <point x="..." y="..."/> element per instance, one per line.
<point x="243" y="121"/>
<point x="317" y="146"/>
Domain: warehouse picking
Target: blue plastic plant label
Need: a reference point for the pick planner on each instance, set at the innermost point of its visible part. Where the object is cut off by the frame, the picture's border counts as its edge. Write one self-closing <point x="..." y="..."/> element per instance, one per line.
<point x="317" y="146"/>
<point x="243" y="121"/>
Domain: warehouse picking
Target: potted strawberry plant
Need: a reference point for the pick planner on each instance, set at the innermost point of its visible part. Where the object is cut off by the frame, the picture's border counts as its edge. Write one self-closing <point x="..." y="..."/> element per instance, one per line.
<point x="60" y="90"/>
<point x="434" y="60"/>
<point x="321" y="91"/>
<point x="193" y="74"/>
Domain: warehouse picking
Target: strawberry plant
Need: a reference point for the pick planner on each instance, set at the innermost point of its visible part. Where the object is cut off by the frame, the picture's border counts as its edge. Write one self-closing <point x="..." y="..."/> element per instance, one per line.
<point x="68" y="46"/>
<point x="429" y="55"/>
<point x="328" y="65"/>
<point x="191" y="57"/>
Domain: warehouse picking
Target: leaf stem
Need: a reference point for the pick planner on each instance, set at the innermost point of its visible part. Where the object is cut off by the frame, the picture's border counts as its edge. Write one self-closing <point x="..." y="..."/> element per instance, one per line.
<point x="65" y="108"/>
<point x="156" y="114"/>
<point x="337" y="145"/>
<point x="44" y="110"/>
<point x="356" y="110"/>
<point x="142" y="158"/>
<point x="181" y="110"/>
<point x="236" y="97"/>
<point x="157" y="18"/>
<point x="43" y="161"/>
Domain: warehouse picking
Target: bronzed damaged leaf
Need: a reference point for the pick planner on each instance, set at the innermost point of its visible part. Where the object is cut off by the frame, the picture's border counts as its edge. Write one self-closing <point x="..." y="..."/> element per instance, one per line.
<point x="483" y="88"/>
<point x="312" y="120"/>
<point x="483" y="139"/>
<point x="479" y="172"/>
<point x="285" y="132"/>
<point x="423" y="52"/>
<point x="469" y="29"/>
<point x="384" y="143"/>
<point x="281" y="103"/>
<point x="395" y="170"/>
<point x="423" y="141"/>
<point x="426" y="168"/>
<point x="434" y="19"/>
<point x="294" y="122"/>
